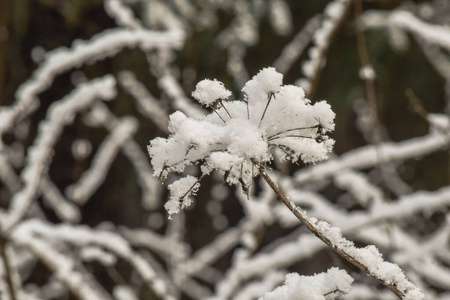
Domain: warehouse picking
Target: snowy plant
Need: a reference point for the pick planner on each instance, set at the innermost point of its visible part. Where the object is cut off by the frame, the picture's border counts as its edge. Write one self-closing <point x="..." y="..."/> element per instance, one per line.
<point x="82" y="215"/>
<point x="240" y="135"/>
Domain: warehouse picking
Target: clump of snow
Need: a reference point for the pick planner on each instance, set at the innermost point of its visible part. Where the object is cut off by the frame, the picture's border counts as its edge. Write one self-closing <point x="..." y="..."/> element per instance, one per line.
<point x="181" y="192"/>
<point x="329" y="285"/>
<point x="208" y="91"/>
<point x="333" y="234"/>
<point x="386" y="271"/>
<point x="370" y="258"/>
<point x="175" y="121"/>
<point x="238" y="133"/>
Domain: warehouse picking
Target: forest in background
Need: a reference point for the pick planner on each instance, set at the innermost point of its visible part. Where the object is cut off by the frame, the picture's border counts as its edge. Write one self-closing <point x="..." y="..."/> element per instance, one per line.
<point x="387" y="82"/>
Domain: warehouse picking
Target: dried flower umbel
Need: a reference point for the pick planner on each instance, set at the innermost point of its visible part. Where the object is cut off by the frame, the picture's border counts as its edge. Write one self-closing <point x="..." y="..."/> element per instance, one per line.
<point x="272" y="120"/>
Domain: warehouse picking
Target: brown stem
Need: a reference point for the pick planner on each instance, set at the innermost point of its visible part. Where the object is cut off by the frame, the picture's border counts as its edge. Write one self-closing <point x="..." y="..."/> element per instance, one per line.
<point x="214" y="110"/>
<point x="221" y="103"/>
<point x="267" y="105"/>
<point x="371" y="95"/>
<point x="3" y="41"/>
<point x="369" y="82"/>
<point x="415" y="103"/>
<point x="9" y="280"/>
<point x="115" y="275"/>
<point x="295" y="210"/>
<point x="190" y="189"/>
<point x="291" y="135"/>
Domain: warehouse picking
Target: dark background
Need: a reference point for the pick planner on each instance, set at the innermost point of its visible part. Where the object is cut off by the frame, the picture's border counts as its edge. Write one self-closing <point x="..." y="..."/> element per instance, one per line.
<point x="25" y="24"/>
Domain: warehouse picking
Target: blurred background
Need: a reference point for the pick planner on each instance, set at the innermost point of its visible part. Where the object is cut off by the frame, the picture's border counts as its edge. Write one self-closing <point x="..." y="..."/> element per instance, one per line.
<point x="230" y="41"/>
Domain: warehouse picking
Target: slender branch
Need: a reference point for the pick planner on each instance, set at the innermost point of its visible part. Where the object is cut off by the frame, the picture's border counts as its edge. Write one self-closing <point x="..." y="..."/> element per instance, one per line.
<point x="294" y="129"/>
<point x="190" y="189"/>
<point x="369" y="81"/>
<point x="9" y="279"/>
<point x="295" y="210"/>
<point x="285" y="152"/>
<point x="415" y="103"/>
<point x="248" y="111"/>
<point x="214" y="110"/>
<point x="291" y="135"/>
<point x="221" y="103"/>
<point x="115" y="275"/>
<point x="270" y="95"/>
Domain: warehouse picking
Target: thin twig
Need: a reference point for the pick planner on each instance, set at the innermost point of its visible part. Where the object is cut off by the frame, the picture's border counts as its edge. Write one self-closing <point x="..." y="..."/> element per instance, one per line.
<point x="371" y="95"/>
<point x="212" y="107"/>
<point x="291" y="135"/>
<point x="415" y="103"/>
<point x="9" y="280"/>
<point x="293" y="129"/>
<point x="221" y="103"/>
<point x="190" y="189"/>
<point x="270" y="95"/>
<point x="293" y="208"/>
<point x="369" y="81"/>
<point x="287" y="154"/>
<point x="115" y="275"/>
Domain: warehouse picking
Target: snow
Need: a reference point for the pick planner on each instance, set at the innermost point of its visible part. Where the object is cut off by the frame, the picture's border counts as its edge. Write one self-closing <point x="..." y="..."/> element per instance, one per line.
<point x="237" y="133"/>
<point x="175" y="121"/>
<point x="267" y="81"/>
<point x="59" y="114"/>
<point x="208" y="91"/>
<point x="180" y="194"/>
<point x="123" y="292"/>
<point x="333" y="283"/>
<point x="370" y="258"/>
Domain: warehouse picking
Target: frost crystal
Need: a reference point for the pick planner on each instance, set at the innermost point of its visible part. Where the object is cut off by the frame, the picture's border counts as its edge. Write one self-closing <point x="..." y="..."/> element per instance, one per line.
<point x="236" y="134"/>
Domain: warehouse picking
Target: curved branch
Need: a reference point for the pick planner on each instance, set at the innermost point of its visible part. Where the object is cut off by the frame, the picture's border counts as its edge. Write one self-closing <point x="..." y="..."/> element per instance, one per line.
<point x="341" y="251"/>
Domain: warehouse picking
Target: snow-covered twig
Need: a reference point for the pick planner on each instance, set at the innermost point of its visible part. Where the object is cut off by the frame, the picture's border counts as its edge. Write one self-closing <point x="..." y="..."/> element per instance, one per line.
<point x="333" y="17"/>
<point x="60" y="60"/>
<point x="60" y="114"/>
<point x="292" y="51"/>
<point x="91" y="179"/>
<point x="122" y="14"/>
<point x="368" y="259"/>
<point x="148" y="105"/>
<point x="366" y="156"/>
<point x="33" y="233"/>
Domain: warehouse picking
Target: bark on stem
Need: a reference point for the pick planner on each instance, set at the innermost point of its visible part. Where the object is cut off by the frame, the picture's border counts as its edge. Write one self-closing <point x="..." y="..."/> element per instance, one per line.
<point x="295" y="210"/>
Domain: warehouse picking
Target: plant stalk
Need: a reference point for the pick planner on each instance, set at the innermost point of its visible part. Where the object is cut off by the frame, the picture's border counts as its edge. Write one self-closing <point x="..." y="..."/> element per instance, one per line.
<point x="295" y="210"/>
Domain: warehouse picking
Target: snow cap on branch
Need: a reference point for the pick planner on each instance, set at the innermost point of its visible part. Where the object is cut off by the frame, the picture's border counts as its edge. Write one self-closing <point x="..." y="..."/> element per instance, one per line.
<point x="208" y="91"/>
<point x="181" y="192"/>
<point x="268" y="79"/>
